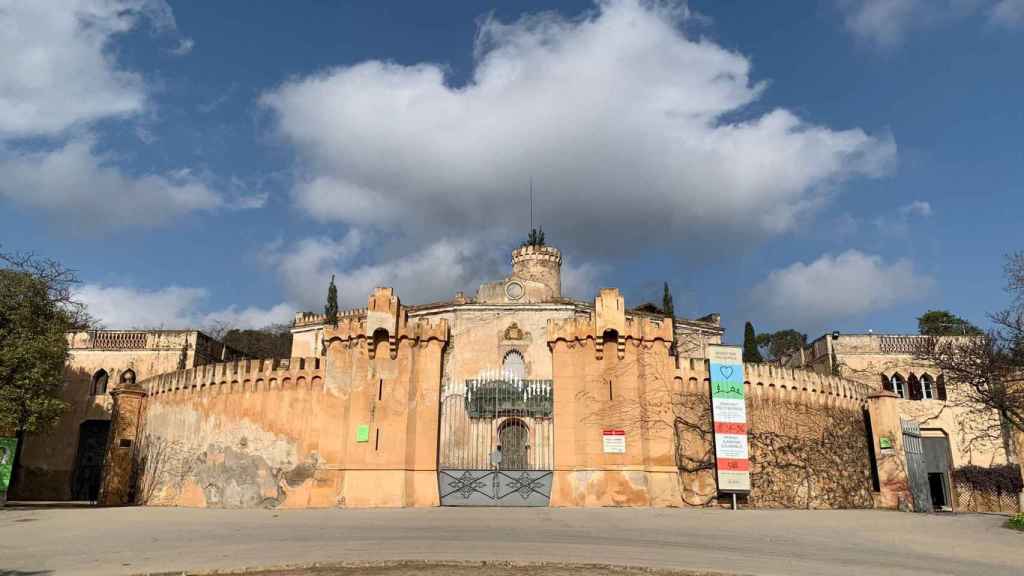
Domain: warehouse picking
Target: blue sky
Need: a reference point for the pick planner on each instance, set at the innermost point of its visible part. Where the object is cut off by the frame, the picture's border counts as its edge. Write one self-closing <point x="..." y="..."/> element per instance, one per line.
<point x="840" y="164"/>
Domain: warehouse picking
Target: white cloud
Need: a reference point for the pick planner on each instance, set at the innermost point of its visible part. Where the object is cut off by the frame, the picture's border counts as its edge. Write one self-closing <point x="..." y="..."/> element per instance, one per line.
<point x="635" y="134"/>
<point x="76" y="182"/>
<point x="1009" y="13"/>
<point x="833" y="288"/>
<point x="434" y="272"/>
<point x="185" y="46"/>
<point x="59" y="76"/>
<point x="901" y="223"/>
<point x="58" y="69"/>
<point x="174" y="307"/>
<point x="882" y="22"/>
<point x="917" y="208"/>
<point x="887" y="23"/>
<point x="251" y="316"/>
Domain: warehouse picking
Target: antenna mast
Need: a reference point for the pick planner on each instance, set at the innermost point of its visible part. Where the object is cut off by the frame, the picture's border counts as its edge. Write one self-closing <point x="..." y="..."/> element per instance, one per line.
<point x="531" y="202"/>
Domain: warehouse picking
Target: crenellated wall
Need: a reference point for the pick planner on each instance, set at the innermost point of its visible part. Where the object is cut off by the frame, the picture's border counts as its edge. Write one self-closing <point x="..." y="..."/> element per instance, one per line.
<point x="808" y="442"/>
<point x="357" y="427"/>
<point x="240" y="434"/>
<point x="806" y="431"/>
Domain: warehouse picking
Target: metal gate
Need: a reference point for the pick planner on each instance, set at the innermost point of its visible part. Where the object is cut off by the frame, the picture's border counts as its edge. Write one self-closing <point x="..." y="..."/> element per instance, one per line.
<point x="917" y="473"/>
<point x="496" y="441"/>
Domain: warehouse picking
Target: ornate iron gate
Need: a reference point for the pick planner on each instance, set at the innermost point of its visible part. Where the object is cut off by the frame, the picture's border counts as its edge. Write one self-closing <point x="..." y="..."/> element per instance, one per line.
<point x="497" y="443"/>
<point x="917" y="473"/>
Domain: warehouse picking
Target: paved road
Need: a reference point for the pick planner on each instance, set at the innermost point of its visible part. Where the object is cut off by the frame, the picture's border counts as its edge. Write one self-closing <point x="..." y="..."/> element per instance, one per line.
<point x="133" y="540"/>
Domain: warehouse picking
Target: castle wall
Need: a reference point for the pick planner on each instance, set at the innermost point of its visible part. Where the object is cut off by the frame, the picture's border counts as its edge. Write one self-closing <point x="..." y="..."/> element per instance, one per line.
<point x="356" y="428"/>
<point x="241" y="434"/>
<point x="48" y="460"/>
<point x="808" y="442"/>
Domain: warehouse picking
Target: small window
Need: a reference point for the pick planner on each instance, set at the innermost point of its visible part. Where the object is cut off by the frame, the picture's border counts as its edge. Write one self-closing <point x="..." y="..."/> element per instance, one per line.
<point x="99" y="382"/>
<point x="899" y="385"/>
<point x="927" y="387"/>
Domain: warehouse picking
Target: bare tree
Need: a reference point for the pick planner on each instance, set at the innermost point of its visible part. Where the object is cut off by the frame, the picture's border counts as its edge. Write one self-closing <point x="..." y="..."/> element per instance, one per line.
<point x="988" y="370"/>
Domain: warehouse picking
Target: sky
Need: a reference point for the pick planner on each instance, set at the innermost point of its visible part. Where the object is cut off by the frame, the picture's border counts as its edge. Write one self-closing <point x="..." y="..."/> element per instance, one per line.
<point x="819" y="165"/>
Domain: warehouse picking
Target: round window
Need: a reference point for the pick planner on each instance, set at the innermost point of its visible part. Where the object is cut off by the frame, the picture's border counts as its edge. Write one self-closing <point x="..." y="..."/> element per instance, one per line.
<point x="514" y="290"/>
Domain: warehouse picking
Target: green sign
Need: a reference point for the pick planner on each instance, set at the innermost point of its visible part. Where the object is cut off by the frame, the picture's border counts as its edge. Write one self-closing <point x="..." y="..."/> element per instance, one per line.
<point x="363" y="433"/>
<point x="885" y="442"/>
<point x="7" y="448"/>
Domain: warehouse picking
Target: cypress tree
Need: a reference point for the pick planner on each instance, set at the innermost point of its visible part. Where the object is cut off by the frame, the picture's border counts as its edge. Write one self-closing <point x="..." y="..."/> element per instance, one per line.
<point x="750" y="350"/>
<point x="669" y="309"/>
<point x="331" y="309"/>
<point x="666" y="303"/>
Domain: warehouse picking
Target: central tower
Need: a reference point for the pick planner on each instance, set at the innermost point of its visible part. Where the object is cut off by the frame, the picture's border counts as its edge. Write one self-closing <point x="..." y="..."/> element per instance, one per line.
<point x="540" y="264"/>
<point x="536" y="277"/>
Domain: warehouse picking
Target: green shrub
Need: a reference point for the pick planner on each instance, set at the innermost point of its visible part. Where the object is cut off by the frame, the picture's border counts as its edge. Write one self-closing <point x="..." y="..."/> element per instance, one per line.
<point x="1017" y="522"/>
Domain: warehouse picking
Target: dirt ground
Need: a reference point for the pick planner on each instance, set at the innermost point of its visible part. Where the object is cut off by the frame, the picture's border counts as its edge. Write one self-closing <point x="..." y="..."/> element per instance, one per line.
<point x="468" y="569"/>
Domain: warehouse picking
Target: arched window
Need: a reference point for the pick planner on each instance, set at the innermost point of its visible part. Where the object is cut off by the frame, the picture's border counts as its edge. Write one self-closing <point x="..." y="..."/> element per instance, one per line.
<point x="380" y="342"/>
<point x="927" y="387"/>
<point x="886" y="383"/>
<point x="514" y="365"/>
<point x="899" y="385"/>
<point x="99" y="382"/>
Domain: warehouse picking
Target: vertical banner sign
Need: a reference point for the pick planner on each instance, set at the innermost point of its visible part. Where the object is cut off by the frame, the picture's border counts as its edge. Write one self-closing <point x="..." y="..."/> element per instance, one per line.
<point x="729" y="413"/>
<point x="7" y="448"/>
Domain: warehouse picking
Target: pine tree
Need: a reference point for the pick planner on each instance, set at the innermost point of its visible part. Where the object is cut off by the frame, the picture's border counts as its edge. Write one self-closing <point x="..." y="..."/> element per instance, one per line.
<point x="331" y="309"/>
<point x="750" y="350"/>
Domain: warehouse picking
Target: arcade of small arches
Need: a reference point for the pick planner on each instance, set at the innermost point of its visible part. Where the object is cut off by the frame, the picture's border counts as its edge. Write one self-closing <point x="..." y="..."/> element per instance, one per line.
<point x="914" y="387"/>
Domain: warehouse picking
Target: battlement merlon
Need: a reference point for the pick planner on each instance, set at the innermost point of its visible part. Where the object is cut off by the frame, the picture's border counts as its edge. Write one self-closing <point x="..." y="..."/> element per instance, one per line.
<point x="385" y="318"/>
<point x="609" y="317"/>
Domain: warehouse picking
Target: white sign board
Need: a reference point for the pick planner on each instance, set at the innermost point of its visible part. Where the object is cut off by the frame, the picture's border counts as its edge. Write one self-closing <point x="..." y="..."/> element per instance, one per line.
<point x="614" y="441"/>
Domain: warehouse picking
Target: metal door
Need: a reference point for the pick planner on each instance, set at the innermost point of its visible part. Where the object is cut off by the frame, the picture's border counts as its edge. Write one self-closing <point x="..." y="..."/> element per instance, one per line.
<point x="936" y="460"/>
<point x="496" y="442"/>
<point x="917" y="472"/>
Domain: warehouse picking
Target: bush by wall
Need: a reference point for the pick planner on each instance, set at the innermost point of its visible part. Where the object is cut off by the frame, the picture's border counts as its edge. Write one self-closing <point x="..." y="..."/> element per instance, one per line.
<point x="1004" y="478"/>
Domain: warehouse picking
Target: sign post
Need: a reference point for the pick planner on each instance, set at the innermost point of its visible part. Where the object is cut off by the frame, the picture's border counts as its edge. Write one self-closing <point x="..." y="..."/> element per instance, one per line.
<point x="729" y="414"/>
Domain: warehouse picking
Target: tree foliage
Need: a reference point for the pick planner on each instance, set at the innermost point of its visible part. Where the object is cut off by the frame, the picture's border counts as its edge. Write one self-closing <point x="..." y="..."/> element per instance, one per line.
<point x="331" y="309"/>
<point x="650" y="308"/>
<point x="37" y="309"/>
<point x="667" y="306"/>
<point x="751" y="353"/>
<point x="944" y="323"/>
<point x="270" y="342"/>
<point x="535" y="238"/>
<point x="776" y="344"/>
